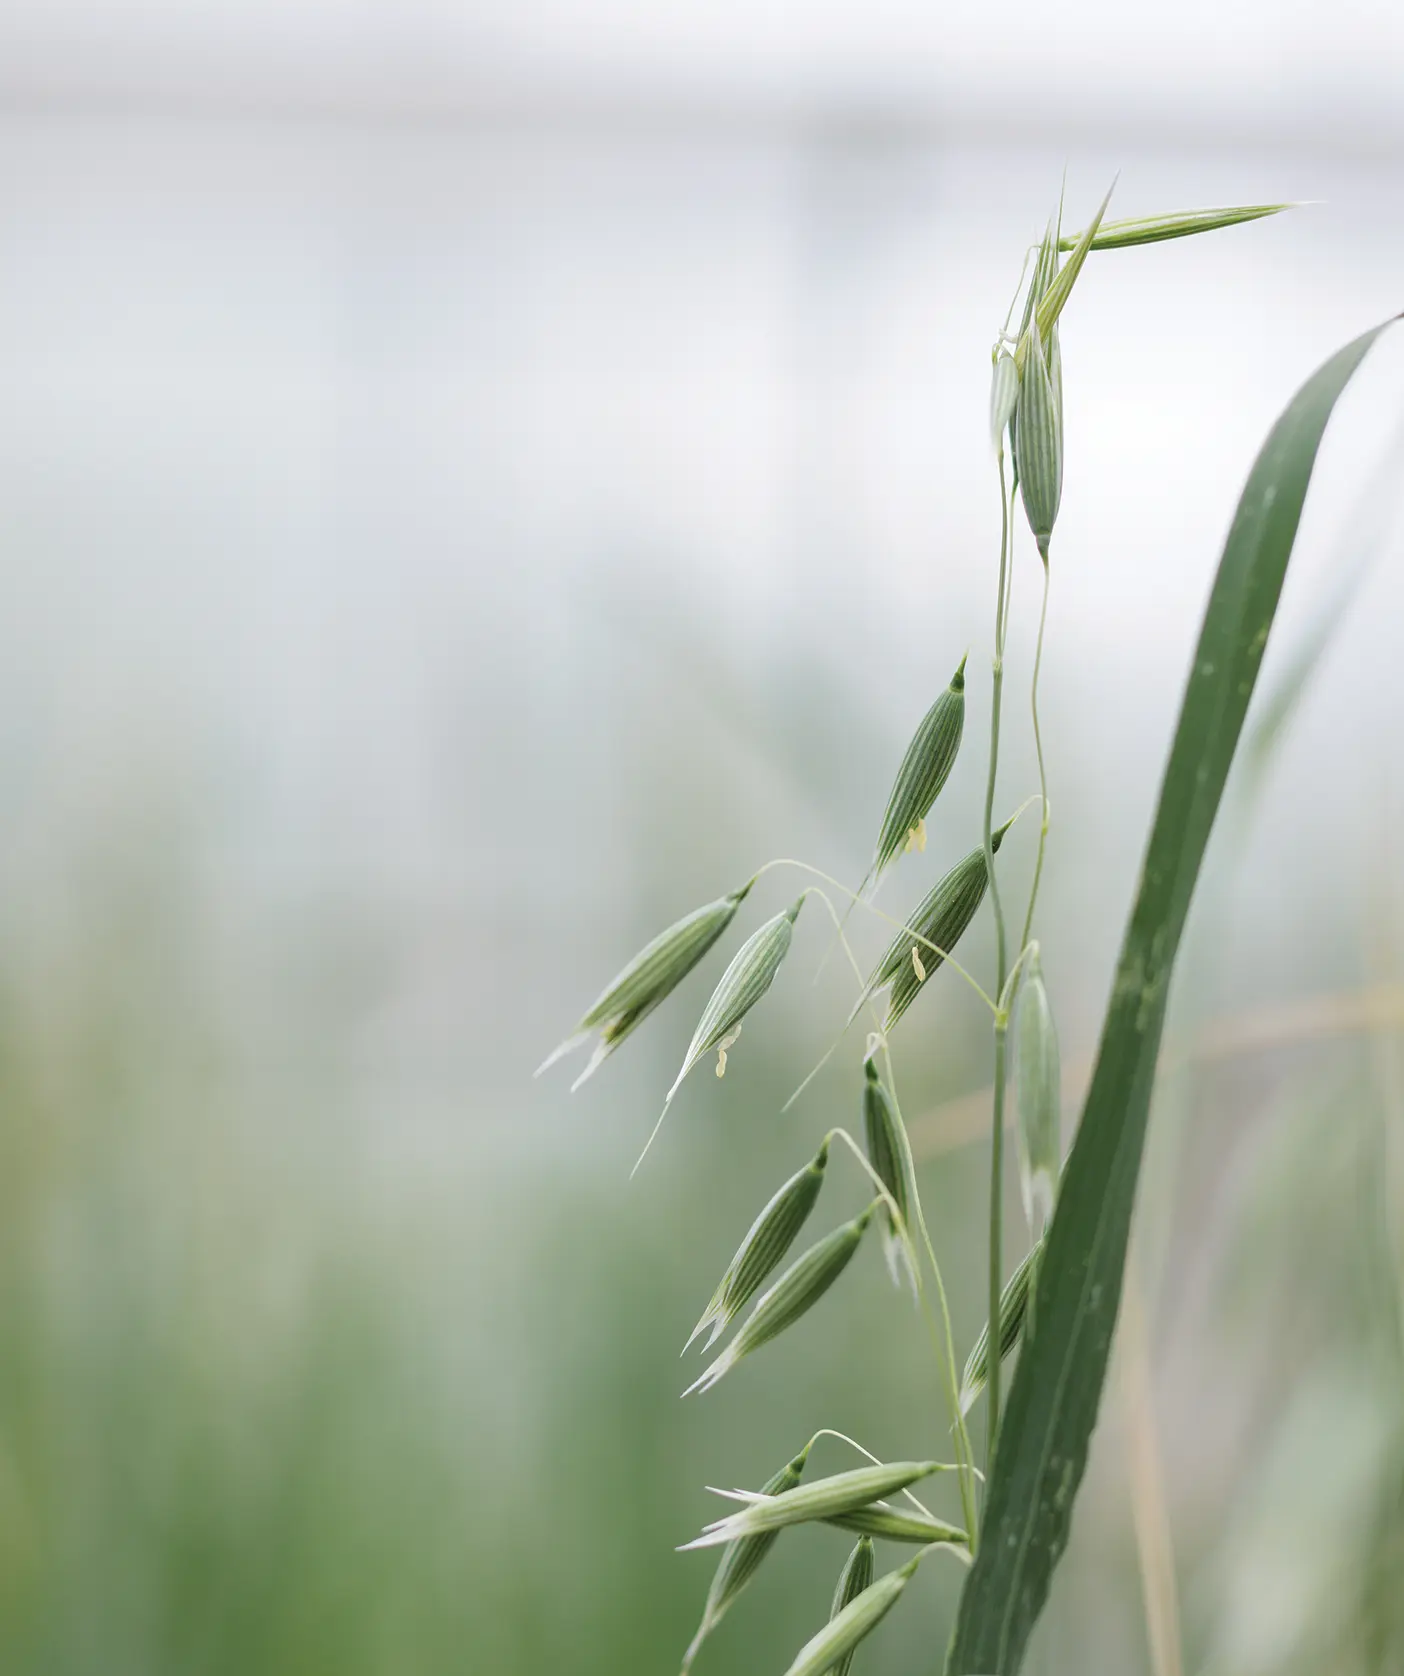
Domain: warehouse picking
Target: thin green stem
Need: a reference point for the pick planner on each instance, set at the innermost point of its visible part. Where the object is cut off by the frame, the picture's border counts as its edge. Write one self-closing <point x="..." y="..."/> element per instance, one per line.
<point x="965" y="1466"/>
<point x="945" y="1352"/>
<point x="1009" y="586"/>
<point x="877" y="1460"/>
<point x="996" y="1248"/>
<point x="965" y="1455"/>
<point x="1002" y="962"/>
<point x="1038" y="746"/>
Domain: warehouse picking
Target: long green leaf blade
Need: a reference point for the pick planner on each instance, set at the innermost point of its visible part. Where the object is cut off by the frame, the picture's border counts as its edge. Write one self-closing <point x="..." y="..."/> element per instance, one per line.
<point x="1053" y="1403"/>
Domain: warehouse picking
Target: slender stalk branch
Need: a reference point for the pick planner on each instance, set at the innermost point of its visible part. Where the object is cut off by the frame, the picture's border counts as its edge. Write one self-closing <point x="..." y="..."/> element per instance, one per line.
<point x="853" y="1443"/>
<point x="996" y="1246"/>
<point x="1038" y="746"/>
<point x="965" y="1455"/>
<point x="1002" y="961"/>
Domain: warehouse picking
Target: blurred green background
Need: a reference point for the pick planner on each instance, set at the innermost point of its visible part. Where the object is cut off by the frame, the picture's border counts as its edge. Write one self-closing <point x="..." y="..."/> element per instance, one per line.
<point x="473" y="487"/>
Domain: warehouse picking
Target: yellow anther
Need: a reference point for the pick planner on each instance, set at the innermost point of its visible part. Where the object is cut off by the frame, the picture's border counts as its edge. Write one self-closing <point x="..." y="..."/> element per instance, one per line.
<point x="917" y="966"/>
<point x="916" y="838"/>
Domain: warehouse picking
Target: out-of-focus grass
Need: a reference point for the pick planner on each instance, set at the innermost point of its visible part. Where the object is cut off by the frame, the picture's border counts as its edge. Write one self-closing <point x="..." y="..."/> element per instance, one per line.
<point x="272" y="1400"/>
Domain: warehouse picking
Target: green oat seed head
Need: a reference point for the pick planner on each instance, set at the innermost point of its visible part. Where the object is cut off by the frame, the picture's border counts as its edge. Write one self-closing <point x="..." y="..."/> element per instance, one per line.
<point x="1004" y="393"/>
<point x="742" y="984"/>
<point x="739" y="1561"/>
<point x="797" y="1290"/>
<point x="1013" y="1312"/>
<point x="1152" y="229"/>
<point x="940" y="918"/>
<point x="1053" y="300"/>
<point x="1045" y="272"/>
<point x="926" y="766"/>
<point x="890" y="1154"/>
<point x="857" y="1620"/>
<point x="770" y="1237"/>
<point x="857" y="1575"/>
<point x="1039" y="1091"/>
<point x="1054" y="348"/>
<point x="650" y="977"/>
<point x="825" y="1499"/>
<point x="893" y="1524"/>
<point x="1038" y="440"/>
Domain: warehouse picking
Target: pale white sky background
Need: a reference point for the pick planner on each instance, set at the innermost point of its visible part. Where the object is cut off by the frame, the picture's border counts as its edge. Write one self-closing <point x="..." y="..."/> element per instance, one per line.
<point x="362" y="364"/>
<point x="1297" y="66"/>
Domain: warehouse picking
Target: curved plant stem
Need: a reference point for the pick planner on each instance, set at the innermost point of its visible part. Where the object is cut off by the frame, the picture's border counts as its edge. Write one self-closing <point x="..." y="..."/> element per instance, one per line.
<point x="965" y="1455"/>
<point x="945" y="1353"/>
<point x="1002" y="960"/>
<point x="853" y="1443"/>
<point x="1038" y="746"/>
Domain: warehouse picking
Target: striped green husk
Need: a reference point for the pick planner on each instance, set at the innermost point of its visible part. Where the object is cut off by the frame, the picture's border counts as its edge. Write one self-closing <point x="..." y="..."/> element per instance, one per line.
<point x="1004" y="392"/>
<point x="857" y="1620"/>
<point x="740" y="1560"/>
<point x="926" y="766"/>
<point x="742" y="985"/>
<point x="897" y="1525"/>
<point x="1151" y="229"/>
<point x="857" y="1575"/>
<point x="769" y="1238"/>
<point x="890" y="1155"/>
<point x="1045" y="272"/>
<point x="1038" y="442"/>
<point x="940" y="919"/>
<point x="1053" y="299"/>
<point x="649" y="978"/>
<point x="824" y="1500"/>
<point x="1013" y="1312"/>
<point x="798" y="1289"/>
<point x="1039" y="1099"/>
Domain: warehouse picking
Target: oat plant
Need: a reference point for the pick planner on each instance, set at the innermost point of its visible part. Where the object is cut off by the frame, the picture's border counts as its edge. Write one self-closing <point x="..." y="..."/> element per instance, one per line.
<point x="1058" y="1305"/>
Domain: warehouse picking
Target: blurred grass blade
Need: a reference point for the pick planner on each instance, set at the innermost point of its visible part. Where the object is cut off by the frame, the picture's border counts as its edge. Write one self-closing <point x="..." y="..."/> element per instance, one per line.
<point x="1152" y="229"/>
<point x="1053" y="1403"/>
